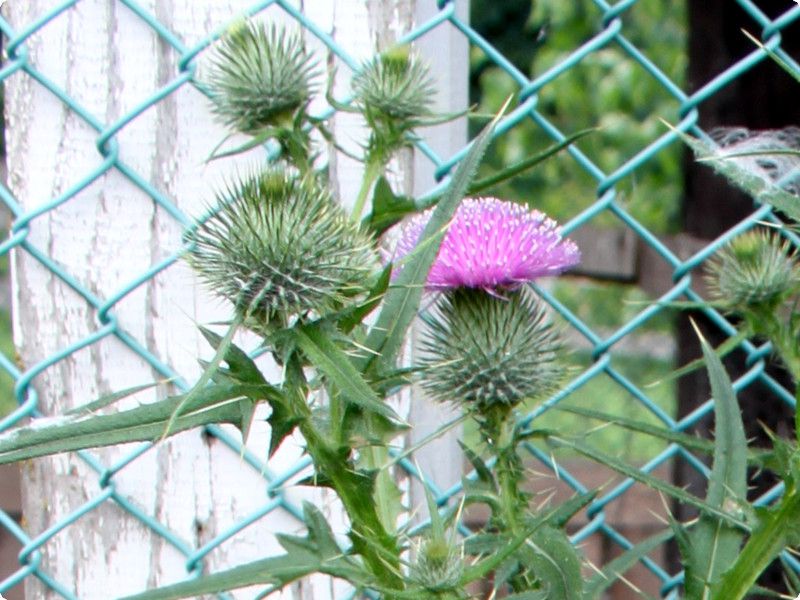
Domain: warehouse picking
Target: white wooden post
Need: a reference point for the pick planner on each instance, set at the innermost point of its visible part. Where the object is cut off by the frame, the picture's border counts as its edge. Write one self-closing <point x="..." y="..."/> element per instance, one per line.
<point x="108" y="60"/>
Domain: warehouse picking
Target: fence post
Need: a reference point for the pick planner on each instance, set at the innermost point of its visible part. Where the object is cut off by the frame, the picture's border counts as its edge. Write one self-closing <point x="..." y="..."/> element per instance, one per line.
<point x="104" y="236"/>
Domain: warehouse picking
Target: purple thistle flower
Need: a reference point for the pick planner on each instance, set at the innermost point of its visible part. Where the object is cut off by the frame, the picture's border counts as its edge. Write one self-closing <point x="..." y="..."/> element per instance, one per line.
<point x="491" y="243"/>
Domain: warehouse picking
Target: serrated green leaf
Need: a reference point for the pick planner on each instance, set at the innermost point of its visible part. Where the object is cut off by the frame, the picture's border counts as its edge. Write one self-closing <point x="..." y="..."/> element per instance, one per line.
<point x="781" y="63"/>
<point x="611" y="572"/>
<point x="725" y="348"/>
<point x="484" y="543"/>
<point x="760" y="188"/>
<point x="768" y="539"/>
<point x="714" y="544"/>
<point x="654" y="482"/>
<point x="550" y="555"/>
<point x="484" y="474"/>
<point x="240" y="366"/>
<point x="562" y="513"/>
<point x="402" y="300"/>
<point x="216" y="403"/>
<point x="387" y="207"/>
<point x="108" y="399"/>
<point x="526" y="163"/>
<point x="511" y="546"/>
<point x="356" y="315"/>
<point x="326" y="356"/>
<point x="690" y="442"/>
<point x="259" y="140"/>
<point x="315" y="553"/>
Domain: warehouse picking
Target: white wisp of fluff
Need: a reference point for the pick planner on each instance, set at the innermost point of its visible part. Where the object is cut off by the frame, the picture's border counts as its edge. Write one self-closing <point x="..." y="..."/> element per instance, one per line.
<point x="772" y="154"/>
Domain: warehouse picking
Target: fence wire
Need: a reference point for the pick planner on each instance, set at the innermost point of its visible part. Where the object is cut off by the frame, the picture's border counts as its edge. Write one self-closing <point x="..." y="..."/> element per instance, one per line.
<point x="611" y="31"/>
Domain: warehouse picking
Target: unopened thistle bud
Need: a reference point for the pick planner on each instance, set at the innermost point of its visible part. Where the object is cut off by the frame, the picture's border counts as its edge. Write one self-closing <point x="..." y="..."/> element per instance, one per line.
<point x="280" y="245"/>
<point x="394" y="91"/>
<point x="485" y="350"/>
<point x="755" y="270"/>
<point x="438" y="566"/>
<point x="259" y="78"/>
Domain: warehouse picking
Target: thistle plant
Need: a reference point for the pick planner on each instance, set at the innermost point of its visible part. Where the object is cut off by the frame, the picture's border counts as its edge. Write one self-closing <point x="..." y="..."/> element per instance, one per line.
<point x="489" y="346"/>
<point x="394" y="93"/>
<point x="280" y="246"/>
<point x="755" y="272"/>
<point x="260" y="85"/>
<point x="305" y="276"/>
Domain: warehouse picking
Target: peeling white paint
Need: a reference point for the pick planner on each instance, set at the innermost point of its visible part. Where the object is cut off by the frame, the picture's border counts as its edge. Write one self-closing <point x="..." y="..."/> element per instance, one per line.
<point x="109" y="61"/>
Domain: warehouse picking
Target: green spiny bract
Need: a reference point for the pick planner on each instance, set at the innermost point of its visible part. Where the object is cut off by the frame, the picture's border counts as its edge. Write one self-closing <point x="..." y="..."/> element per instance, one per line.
<point x="394" y="92"/>
<point x="280" y="245"/>
<point x="483" y="351"/>
<point x="754" y="270"/>
<point x="259" y="78"/>
<point x="438" y="566"/>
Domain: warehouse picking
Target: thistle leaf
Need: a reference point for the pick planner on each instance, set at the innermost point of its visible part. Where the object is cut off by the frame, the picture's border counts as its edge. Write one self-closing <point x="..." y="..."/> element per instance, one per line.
<point x="714" y="544"/>
<point x="317" y="552"/>
<point x="742" y="166"/>
<point x="240" y="366"/>
<point x="387" y="207"/>
<point x="525" y="164"/>
<point x="625" y="469"/>
<point x="611" y="572"/>
<point x="551" y="556"/>
<point x="216" y="403"/>
<point x="326" y="356"/>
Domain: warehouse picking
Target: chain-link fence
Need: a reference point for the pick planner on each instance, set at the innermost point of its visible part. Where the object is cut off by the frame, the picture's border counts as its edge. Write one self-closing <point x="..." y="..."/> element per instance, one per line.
<point x="610" y="31"/>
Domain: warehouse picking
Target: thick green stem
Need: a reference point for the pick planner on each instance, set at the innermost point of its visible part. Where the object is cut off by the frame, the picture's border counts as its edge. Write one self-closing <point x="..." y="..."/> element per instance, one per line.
<point x="372" y="171"/>
<point x="376" y="546"/>
<point x="787" y="346"/>
<point x="761" y="549"/>
<point x="498" y="429"/>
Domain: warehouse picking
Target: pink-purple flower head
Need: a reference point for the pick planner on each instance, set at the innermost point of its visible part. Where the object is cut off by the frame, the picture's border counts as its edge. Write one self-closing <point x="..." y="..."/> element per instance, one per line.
<point x="492" y="244"/>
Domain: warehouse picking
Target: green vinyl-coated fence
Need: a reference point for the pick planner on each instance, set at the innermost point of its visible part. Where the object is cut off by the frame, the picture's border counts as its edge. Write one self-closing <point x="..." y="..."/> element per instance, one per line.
<point x="610" y="32"/>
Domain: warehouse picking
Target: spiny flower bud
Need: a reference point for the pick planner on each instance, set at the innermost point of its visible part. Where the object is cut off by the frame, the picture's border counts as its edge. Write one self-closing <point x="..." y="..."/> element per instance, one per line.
<point x="491" y="243"/>
<point x="754" y="270"/>
<point x="483" y="350"/>
<point x="281" y="245"/>
<point x="438" y="567"/>
<point x="259" y="78"/>
<point x="394" y="90"/>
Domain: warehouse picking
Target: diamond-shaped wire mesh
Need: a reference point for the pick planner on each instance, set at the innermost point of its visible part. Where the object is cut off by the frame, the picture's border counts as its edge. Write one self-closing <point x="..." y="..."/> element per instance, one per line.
<point x="108" y="157"/>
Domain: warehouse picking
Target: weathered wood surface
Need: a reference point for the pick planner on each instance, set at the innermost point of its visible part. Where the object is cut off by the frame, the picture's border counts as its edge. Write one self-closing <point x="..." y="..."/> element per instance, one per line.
<point x="109" y="61"/>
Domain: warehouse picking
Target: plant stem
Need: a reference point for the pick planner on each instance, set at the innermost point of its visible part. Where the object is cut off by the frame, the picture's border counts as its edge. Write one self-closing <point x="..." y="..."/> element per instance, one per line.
<point x="333" y="462"/>
<point x="372" y="171"/>
<point x="499" y="433"/>
<point x="370" y="539"/>
<point x="764" y="545"/>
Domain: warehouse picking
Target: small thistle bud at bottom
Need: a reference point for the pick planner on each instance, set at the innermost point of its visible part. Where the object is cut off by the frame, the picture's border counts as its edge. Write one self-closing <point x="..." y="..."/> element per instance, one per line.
<point x="755" y="270"/>
<point x="439" y="566"/>
<point x="281" y="246"/>
<point x="483" y="350"/>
